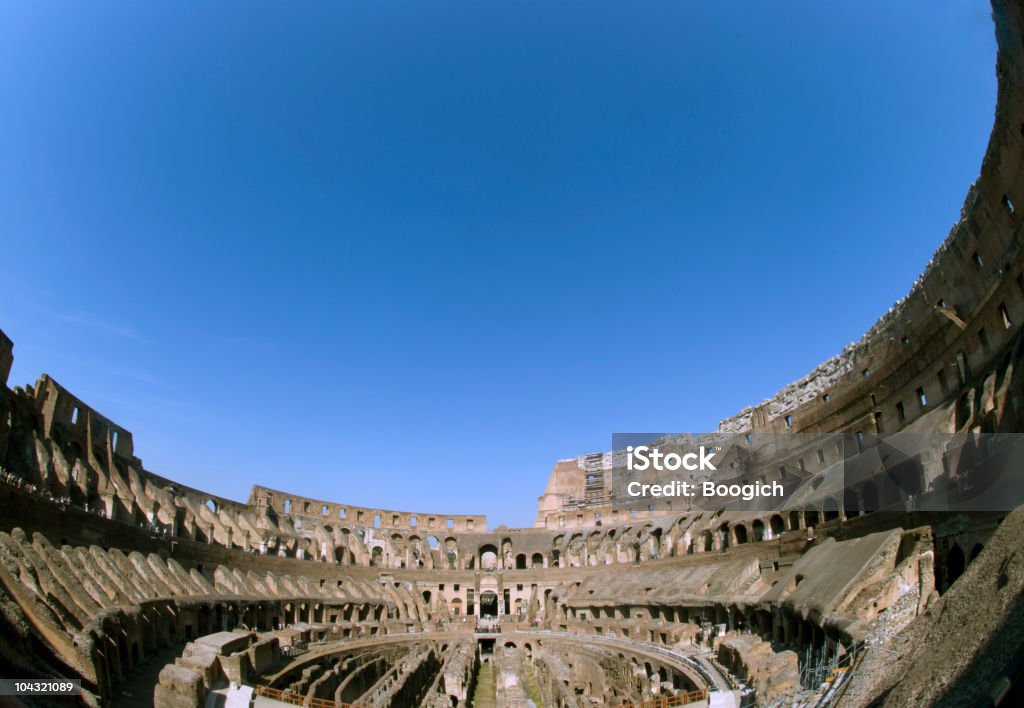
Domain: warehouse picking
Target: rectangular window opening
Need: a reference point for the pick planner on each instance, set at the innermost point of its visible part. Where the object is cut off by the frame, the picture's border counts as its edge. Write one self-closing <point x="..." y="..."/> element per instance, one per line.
<point x="921" y="398"/>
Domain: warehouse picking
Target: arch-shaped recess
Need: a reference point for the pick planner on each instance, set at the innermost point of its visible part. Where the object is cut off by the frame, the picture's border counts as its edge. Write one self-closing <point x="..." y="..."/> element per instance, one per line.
<point x="488" y="556"/>
<point x="740" y="531"/>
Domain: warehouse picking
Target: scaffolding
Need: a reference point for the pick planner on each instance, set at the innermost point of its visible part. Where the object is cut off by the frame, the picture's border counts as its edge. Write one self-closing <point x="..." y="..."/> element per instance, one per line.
<point x="593" y="469"/>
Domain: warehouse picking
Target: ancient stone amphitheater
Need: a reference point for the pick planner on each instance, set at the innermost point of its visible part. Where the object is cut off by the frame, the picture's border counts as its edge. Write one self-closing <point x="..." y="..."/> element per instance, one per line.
<point x="897" y="586"/>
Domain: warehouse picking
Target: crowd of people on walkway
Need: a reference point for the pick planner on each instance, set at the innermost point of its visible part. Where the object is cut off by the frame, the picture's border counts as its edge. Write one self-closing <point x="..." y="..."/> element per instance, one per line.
<point x="19" y="482"/>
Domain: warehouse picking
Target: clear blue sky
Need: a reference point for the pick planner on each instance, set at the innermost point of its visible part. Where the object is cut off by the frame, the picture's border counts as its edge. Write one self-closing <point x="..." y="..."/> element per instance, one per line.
<point x="408" y="254"/>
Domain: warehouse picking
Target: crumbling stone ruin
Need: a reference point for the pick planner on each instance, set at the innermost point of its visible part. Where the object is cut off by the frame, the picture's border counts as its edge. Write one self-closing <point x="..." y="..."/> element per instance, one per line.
<point x="853" y="594"/>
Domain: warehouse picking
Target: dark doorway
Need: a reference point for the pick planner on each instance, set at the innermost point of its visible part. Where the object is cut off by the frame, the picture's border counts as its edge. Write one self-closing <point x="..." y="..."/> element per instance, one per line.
<point x="488" y="604"/>
<point x="955" y="564"/>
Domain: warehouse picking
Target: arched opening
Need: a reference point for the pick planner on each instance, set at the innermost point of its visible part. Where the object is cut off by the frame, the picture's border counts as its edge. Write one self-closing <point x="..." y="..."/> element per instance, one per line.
<point x="521" y="561"/>
<point x="758" y="530"/>
<point x="655" y="543"/>
<point x="794" y="520"/>
<point x="211" y="505"/>
<point x="555" y="557"/>
<point x="707" y="542"/>
<point x="741" y="534"/>
<point x="488" y="604"/>
<point x="851" y="506"/>
<point x="777" y="525"/>
<point x="488" y="557"/>
<point x="376" y="556"/>
<point x="955" y="564"/>
<point x="902" y="483"/>
<point x="456" y="607"/>
<point x="537" y="560"/>
<point x="976" y="551"/>
<point x="451" y="553"/>
<point x="831" y="510"/>
<point x="810" y="516"/>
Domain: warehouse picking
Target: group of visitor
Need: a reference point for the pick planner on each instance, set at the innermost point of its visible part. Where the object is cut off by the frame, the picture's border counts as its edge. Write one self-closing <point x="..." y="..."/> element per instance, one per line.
<point x="19" y="482"/>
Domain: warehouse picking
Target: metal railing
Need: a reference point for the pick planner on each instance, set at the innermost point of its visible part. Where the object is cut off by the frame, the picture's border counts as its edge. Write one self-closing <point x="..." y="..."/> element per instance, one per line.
<point x="297" y="699"/>
<point x="680" y="699"/>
